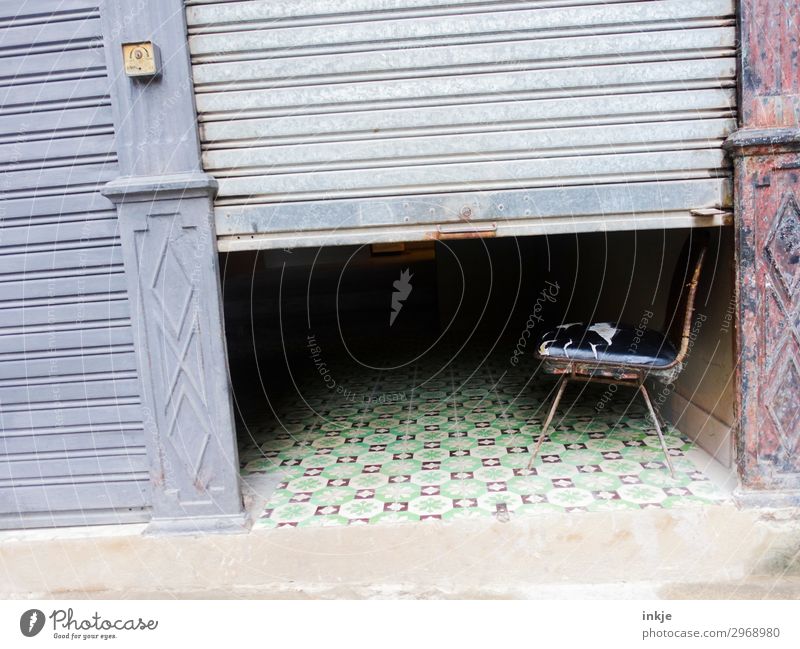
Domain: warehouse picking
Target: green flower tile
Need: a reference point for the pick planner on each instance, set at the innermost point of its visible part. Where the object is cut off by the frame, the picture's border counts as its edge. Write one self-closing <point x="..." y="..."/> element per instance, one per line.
<point x="348" y="411"/>
<point x="327" y="442"/>
<point x="487" y="432"/>
<point x="405" y="446"/>
<point x="318" y="461"/>
<point x="474" y="392"/>
<point x="290" y="472"/>
<point x="581" y="457"/>
<point x="397" y="492"/>
<point x="489" y="452"/>
<point x="504" y="499"/>
<point x="430" y="505"/>
<point x="293" y="512"/>
<point x="278" y="444"/>
<point x="394" y="517"/>
<point x="374" y="458"/>
<point x="430" y="477"/>
<point x="461" y="489"/>
<point x="363" y="508"/>
<point x="515" y="460"/>
<point x="342" y="471"/>
<point x="642" y="454"/>
<point x="604" y="445"/>
<point x="261" y="465"/>
<point x="334" y="427"/>
<point x="432" y="455"/>
<point x="663" y="480"/>
<point x="265" y="523"/>
<point x="297" y="453"/>
<point x="460" y="464"/>
<point x="466" y="513"/>
<point x="641" y="493"/>
<point x="279" y="497"/>
<point x="564" y="437"/>
<point x="380" y="439"/>
<point x="455" y="427"/>
<point x="671" y="440"/>
<point x="497" y="473"/>
<point x="510" y="440"/>
<point x="407" y="429"/>
<point x="594" y="426"/>
<point x="570" y="497"/>
<point x="682" y="464"/>
<point x="597" y="481"/>
<point x="529" y="484"/>
<point x="379" y="424"/>
<point x="401" y="467"/>
<point x="350" y="449"/>
<point x="550" y="448"/>
<point x="432" y="420"/>
<point x="432" y="436"/>
<point x="621" y="467"/>
<point x="555" y="469"/>
<point x="306" y="484"/>
<point x="369" y="480"/>
<point x="458" y="443"/>
<point x="332" y="496"/>
<point x="439" y="395"/>
<point x="390" y="408"/>
<point x="480" y="417"/>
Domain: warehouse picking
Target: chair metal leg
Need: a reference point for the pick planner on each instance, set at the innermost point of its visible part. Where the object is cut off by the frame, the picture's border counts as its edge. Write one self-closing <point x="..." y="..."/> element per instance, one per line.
<point x="547" y="421"/>
<point x="658" y="428"/>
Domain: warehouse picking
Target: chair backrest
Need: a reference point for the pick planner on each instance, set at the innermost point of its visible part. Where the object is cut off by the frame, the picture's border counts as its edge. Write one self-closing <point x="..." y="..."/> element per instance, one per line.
<point x="680" y="307"/>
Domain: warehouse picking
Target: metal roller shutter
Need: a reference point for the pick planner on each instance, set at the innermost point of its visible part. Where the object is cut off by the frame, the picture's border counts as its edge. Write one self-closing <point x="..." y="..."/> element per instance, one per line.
<point x="71" y="438"/>
<point x="402" y="115"/>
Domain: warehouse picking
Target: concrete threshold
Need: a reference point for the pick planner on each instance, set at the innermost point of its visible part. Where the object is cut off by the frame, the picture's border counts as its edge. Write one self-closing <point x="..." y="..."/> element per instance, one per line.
<point x="704" y="552"/>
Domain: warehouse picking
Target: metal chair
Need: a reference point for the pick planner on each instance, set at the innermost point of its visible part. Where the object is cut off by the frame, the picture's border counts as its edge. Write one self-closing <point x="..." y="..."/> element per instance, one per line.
<point x="610" y="352"/>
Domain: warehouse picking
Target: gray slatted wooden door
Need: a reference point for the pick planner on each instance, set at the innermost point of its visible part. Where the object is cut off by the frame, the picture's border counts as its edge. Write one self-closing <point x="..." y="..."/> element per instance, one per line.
<point x="327" y="117"/>
<point x="71" y="438"/>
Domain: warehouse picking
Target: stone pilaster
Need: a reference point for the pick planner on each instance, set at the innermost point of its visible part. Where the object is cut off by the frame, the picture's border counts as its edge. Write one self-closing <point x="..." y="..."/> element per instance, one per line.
<point x="766" y="155"/>
<point x="165" y="209"/>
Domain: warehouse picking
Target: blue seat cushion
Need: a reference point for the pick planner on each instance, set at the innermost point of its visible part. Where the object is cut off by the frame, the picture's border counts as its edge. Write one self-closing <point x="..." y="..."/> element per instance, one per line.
<point x="607" y="342"/>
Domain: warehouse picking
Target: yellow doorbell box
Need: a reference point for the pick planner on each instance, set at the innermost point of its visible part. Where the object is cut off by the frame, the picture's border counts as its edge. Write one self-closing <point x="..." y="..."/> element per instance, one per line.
<point x="141" y="59"/>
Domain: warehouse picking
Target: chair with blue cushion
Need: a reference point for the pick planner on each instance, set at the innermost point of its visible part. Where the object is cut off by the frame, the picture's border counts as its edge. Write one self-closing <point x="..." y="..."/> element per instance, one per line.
<point x="618" y="353"/>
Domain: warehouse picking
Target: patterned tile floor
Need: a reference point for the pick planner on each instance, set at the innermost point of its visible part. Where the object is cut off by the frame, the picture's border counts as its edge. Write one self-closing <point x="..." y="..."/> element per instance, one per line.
<point x="393" y="448"/>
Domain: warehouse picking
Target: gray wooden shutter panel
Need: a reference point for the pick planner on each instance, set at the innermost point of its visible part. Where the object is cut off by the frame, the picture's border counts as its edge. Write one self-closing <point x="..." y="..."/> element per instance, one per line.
<point x="71" y="438"/>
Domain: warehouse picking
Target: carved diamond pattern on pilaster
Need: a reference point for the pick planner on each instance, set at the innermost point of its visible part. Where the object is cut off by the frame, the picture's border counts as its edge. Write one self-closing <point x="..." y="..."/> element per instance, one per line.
<point x="781" y="311"/>
<point x="176" y="318"/>
<point x="784" y="412"/>
<point x="782" y="246"/>
<point x="774" y="333"/>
